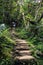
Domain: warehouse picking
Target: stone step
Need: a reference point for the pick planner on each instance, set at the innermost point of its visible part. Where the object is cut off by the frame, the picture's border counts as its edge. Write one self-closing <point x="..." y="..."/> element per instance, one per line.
<point x="21" y="41"/>
<point x="24" y="58"/>
<point x="22" y="44"/>
<point x="22" y="48"/>
<point x="24" y="52"/>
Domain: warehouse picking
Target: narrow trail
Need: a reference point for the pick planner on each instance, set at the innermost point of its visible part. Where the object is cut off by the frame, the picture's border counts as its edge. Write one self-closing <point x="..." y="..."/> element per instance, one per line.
<point x="22" y="53"/>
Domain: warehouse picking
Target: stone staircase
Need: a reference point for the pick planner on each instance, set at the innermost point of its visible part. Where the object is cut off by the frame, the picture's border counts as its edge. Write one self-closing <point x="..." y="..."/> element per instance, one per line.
<point x="23" y="54"/>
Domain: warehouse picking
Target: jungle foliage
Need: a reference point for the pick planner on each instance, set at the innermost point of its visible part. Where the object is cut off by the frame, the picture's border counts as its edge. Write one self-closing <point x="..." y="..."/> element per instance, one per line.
<point x="28" y="18"/>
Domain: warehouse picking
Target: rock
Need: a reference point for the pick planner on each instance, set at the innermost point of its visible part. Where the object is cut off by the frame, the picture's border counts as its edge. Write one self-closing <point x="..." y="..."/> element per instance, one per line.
<point x="20" y="41"/>
<point x="24" y="58"/>
<point x="22" y="48"/>
<point x="25" y="52"/>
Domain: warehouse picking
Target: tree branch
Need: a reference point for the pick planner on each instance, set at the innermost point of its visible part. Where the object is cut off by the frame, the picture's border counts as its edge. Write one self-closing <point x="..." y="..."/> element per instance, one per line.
<point x="34" y="22"/>
<point x="40" y="18"/>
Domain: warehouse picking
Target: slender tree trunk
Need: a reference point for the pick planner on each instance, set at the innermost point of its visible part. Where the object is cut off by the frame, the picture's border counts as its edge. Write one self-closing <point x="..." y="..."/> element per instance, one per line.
<point x="37" y="10"/>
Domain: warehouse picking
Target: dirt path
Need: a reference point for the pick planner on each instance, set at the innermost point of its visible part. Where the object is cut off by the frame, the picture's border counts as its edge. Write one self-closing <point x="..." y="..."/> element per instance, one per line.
<point x="22" y="53"/>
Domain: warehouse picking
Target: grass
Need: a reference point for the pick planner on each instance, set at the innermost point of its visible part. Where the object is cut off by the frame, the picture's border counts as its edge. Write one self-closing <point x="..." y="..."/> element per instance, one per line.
<point x="6" y="47"/>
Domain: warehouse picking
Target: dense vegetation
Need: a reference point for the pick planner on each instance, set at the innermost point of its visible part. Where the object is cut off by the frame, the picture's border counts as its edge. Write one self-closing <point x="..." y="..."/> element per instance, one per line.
<point x="26" y="17"/>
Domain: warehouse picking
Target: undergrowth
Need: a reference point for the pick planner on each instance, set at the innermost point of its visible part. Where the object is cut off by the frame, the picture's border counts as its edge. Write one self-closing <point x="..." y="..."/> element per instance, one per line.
<point x="35" y="42"/>
<point x="6" y="47"/>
